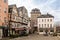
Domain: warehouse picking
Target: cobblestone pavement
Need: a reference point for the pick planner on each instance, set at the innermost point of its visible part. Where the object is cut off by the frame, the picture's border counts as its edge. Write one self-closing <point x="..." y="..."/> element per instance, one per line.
<point x="36" y="37"/>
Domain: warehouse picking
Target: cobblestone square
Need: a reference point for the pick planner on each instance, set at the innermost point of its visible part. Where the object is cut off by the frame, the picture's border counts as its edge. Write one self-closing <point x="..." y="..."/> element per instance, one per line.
<point x="37" y="37"/>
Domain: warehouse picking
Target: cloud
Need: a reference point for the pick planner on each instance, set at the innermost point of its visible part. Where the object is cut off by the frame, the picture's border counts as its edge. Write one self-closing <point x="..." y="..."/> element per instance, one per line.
<point x="12" y="2"/>
<point x="50" y="6"/>
<point x="39" y="2"/>
<point x="55" y="5"/>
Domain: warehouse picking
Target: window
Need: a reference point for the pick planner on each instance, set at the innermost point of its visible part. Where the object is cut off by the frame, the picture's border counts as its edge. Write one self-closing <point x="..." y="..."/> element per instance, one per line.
<point x="4" y="17"/>
<point x="24" y="20"/>
<point x="15" y="25"/>
<point x="15" y="18"/>
<point x="51" y="20"/>
<point x="48" y="20"/>
<point x="39" y="25"/>
<point x="5" y="1"/>
<point x="14" y="11"/>
<point x="45" y="20"/>
<point x="50" y="25"/>
<point x="10" y="10"/>
<point x="47" y="25"/>
<point x="18" y="25"/>
<point x="20" y="12"/>
<point x="42" y="25"/>
<point x="5" y="10"/>
<point x="42" y="20"/>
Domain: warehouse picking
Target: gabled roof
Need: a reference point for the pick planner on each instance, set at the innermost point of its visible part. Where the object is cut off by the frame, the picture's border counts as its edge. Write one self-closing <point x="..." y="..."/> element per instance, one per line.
<point x="19" y="9"/>
<point x="46" y="16"/>
<point x="11" y="6"/>
<point x="22" y="8"/>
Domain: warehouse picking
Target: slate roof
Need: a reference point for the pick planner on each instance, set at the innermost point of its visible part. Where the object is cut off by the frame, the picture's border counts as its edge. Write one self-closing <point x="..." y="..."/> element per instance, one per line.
<point x="35" y="9"/>
<point x="46" y="16"/>
<point x="21" y="9"/>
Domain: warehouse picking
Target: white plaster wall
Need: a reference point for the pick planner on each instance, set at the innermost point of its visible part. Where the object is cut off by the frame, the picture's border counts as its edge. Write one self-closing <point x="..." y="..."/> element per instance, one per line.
<point x="45" y="22"/>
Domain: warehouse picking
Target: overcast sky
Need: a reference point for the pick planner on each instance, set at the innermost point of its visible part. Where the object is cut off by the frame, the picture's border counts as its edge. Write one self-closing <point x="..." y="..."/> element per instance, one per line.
<point x="50" y="6"/>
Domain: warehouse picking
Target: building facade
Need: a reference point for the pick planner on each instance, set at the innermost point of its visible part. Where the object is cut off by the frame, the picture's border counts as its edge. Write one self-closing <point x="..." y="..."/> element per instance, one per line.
<point x="18" y="19"/>
<point x="34" y="14"/>
<point x="13" y="18"/>
<point x="3" y="18"/>
<point x="23" y="14"/>
<point x="24" y="19"/>
<point x="45" y="23"/>
<point x="29" y="20"/>
<point x="3" y="12"/>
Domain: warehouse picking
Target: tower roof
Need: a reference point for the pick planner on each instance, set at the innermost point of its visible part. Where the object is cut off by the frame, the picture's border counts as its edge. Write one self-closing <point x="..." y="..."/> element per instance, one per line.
<point x="35" y="9"/>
